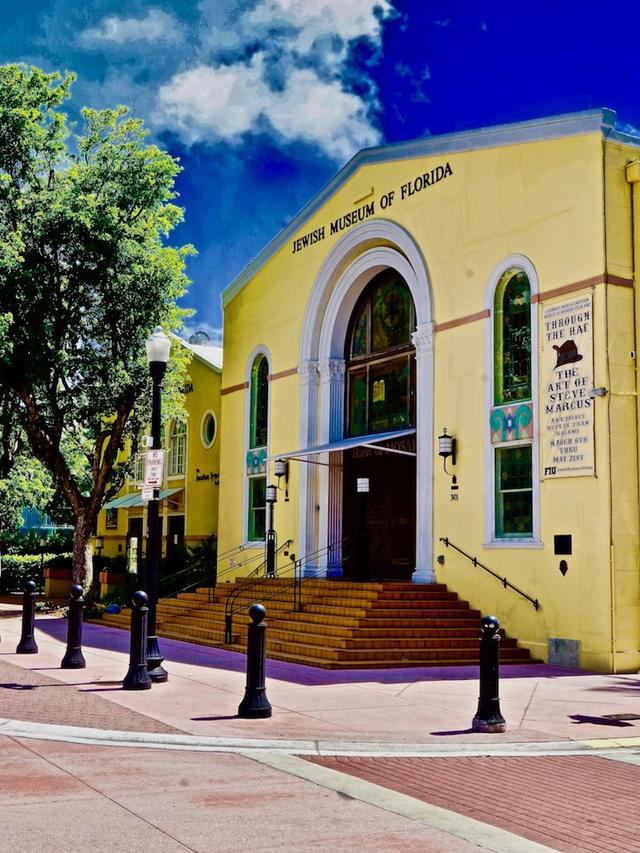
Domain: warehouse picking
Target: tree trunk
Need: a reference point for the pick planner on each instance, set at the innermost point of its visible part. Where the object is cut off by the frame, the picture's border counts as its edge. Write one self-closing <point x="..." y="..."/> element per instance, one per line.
<point x="82" y="569"/>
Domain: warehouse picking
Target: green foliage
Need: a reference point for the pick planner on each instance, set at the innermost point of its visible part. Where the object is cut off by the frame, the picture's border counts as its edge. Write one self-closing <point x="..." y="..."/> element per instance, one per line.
<point x="18" y="568"/>
<point x="85" y="275"/>
<point x="28" y="484"/>
<point x="58" y="542"/>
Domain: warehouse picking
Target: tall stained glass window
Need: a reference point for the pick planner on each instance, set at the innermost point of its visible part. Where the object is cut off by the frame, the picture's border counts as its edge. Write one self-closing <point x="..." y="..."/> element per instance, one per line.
<point x="380" y="358"/>
<point x="513" y="462"/>
<point x="256" y="466"/>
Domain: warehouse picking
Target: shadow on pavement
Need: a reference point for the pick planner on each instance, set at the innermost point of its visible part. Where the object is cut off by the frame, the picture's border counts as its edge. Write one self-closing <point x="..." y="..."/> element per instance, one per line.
<point x="117" y="640"/>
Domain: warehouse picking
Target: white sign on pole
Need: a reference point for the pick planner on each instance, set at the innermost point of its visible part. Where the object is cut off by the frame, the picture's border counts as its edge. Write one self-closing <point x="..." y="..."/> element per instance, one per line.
<point x="153" y="468"/>
<point x="146" y="495"/>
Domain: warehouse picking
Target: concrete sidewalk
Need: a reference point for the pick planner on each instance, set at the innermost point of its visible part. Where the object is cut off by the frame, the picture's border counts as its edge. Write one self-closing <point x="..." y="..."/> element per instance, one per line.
<point x="396" y="723"/>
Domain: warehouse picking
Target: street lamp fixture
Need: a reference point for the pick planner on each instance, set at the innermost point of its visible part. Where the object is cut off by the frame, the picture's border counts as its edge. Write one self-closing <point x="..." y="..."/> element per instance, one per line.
<point x="158" y="347"/>
<point x="281" y="469"/>
<point x="271" y="497"/>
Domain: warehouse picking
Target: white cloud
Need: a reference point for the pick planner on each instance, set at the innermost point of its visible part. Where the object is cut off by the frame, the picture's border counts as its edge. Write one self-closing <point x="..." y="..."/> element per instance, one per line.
<point x="346" y="19"/>
<point x="155" y="26"/>
<point x="294" y="84"/>
<point x="225" y="100"/>
<point x="207" y="103"/>
<point x="320" y="112"/>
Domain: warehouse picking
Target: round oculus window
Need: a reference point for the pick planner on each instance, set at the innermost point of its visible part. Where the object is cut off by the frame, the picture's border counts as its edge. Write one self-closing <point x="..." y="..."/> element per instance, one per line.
<point x="208" y="433"/>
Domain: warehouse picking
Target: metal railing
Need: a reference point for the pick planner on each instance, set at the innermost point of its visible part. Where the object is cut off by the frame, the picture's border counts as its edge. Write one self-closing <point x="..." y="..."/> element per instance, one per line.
<point x="292" y="590"/>
<point x="190" y="577"/>
<point x="505" y="583"/>
<point x="185" y="580"/>
<point x="230" y="605"/>
<point x="312" y="559"/>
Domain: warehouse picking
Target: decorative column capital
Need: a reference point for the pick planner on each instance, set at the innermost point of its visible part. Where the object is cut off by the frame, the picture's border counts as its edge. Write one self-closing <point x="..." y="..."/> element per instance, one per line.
<point x="422" y="339"/>
<point x="332" y="369"/>
<point x="309" y="373"/>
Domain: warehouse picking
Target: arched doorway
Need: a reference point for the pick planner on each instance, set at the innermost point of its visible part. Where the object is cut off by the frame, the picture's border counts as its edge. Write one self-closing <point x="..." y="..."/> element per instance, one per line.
<point x="379" y="500"/>
<point x="348" y="269"/>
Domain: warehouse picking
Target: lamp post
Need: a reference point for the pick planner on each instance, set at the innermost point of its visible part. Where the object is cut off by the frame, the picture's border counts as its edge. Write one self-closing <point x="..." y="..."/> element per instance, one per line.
<point x="158" y="346"/>
<point x="362" y="559"/>
<point x="43" y="545"/>
<point x="99" y="545"/>
<point x="271" y="497"/>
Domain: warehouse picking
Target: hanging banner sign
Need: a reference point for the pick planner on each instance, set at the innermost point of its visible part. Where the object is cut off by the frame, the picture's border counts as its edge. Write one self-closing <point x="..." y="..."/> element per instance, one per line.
<point x="567" y="427"/>
<point x="153" y="468"/>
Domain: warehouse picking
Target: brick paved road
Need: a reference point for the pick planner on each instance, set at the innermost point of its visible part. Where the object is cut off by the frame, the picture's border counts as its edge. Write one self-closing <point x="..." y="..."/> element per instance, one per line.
<point x="570" y="803"/>
<point x="35" y="697"/>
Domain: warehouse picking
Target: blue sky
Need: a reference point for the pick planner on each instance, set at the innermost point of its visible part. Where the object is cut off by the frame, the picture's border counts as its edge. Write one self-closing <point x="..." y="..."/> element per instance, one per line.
<point x="264" y="100"/>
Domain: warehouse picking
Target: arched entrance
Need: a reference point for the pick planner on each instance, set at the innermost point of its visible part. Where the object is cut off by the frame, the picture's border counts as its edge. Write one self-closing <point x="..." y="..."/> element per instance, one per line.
<point x="378" y="489"/>
<point x="351" y="265"/>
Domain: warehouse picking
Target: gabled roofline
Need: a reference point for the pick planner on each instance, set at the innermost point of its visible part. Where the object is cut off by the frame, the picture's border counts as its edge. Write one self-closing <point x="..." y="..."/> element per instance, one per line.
<point x="570" y="124"/>
<point x="217" y="368"/>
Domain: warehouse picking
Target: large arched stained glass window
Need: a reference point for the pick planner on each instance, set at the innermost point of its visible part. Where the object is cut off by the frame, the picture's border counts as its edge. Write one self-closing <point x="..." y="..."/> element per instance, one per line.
<point x="512" y="385"/>
<point x="256" y="455"/>
<point x="380" y="362"/>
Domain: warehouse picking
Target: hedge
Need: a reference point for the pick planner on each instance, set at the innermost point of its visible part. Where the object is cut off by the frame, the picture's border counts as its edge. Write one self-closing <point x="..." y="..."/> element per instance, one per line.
<point x="17" y="568"/>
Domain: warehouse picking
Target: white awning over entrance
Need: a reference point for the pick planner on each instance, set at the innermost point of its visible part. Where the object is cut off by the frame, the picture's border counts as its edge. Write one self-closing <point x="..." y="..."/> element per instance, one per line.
<point x="348" y="444"/>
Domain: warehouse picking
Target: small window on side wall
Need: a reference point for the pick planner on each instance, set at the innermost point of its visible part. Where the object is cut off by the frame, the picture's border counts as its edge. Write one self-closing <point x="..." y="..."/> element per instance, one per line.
<point x="208" y="430"/>
<point x="257" y="508"/>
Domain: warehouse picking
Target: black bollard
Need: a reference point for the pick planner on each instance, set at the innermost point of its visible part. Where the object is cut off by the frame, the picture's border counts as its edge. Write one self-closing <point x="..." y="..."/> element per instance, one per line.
<point x="27" y="644"/>
<point x="73" y="658"/>
<point x="255" y="703"/>
<point x="488" y="717"/>
<point x="138" y="676"/>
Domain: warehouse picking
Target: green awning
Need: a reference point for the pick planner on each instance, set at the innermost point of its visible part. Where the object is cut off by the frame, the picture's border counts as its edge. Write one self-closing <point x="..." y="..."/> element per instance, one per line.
<point x="135" y="499"/>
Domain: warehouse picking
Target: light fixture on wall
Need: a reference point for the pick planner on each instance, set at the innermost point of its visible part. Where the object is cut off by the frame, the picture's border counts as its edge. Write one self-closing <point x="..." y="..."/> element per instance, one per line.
<point x="362" y="485"/>
<point x="447" y="448"/>
<point x="280" y="470"/>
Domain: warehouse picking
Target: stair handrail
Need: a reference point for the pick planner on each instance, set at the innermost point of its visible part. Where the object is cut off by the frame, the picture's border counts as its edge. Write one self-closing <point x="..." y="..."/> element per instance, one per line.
<point x="204" y="576"/>
<point x="505" y="583"/>
<point x="231" y="598"/>
<point x="277" y="592"/>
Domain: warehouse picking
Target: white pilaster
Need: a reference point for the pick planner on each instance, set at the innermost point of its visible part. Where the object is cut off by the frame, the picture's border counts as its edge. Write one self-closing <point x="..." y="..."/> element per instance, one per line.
<point x="423" y="339"/>
<point x="307" y="474"/>
<point x="332" y="376"/>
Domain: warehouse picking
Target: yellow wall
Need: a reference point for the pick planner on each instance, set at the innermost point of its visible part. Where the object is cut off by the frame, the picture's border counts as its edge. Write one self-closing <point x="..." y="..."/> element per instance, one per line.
<point x="544" y="200"/>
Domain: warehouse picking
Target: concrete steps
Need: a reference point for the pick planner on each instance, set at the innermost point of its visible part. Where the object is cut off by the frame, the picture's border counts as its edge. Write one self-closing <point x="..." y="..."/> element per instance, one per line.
<point x="342" y="625"/>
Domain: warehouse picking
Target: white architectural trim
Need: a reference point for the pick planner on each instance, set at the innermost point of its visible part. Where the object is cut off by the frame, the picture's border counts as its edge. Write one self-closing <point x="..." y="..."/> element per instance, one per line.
<point x="259" y="349"/>
<point x="350" y="265"/>
<point x="520" y="262"/>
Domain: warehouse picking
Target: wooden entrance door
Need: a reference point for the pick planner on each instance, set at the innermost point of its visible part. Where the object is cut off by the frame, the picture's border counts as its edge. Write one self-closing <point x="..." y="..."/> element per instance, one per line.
<point x="387" y="513"/>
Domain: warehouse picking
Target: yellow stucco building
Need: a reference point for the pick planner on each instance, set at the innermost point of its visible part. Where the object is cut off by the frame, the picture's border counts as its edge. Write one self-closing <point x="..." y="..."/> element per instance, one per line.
<point x="479" y="286"/>
<point x="189" y="495"/>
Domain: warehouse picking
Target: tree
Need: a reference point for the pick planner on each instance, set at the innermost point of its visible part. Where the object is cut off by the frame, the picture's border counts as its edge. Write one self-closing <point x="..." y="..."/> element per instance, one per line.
<point x="85" y="276"/>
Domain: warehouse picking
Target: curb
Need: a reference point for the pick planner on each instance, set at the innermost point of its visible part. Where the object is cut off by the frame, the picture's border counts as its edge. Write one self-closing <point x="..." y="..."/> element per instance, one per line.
<point x="103" y="737"/>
